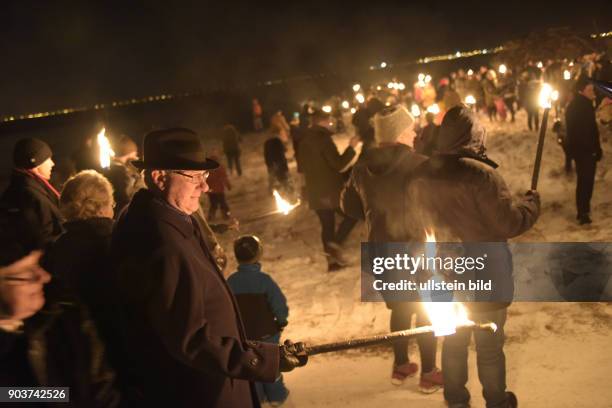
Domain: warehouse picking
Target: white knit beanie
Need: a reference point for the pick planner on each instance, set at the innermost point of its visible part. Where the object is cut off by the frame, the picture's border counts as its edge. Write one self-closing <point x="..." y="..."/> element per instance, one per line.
<point x="390" y="123"/>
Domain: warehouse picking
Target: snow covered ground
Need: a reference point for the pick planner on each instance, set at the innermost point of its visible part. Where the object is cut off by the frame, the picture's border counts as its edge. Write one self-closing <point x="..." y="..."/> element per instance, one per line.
<point x="558" y="354"/>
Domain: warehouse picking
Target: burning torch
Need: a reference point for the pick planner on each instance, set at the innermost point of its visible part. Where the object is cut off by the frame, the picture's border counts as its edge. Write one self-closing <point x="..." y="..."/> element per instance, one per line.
<point x="282" y="207"/>
<point x="545" y="101"/>
<point x="446" y="318"/>
<point x="106" y="152"/>
<point x="387" y="338"/>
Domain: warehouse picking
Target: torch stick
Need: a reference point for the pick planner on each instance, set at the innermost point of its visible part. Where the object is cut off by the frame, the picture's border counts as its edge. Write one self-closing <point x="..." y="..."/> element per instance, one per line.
<point x="385" y="338"/>
<point x="538" y="158"/>
<point x="260" y="216"/>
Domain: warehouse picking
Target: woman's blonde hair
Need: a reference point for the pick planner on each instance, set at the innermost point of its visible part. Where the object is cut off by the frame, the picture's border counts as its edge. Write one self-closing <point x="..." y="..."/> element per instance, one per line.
<point x="85" y="195"/>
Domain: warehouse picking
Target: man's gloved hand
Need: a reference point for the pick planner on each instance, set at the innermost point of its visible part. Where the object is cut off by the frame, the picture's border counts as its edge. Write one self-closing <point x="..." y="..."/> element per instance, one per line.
<point x="533" y="195"/>
<point x="292" y="355"/>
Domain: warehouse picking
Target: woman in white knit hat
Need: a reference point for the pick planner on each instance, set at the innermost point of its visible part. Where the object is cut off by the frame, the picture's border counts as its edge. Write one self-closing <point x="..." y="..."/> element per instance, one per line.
<point x="375" y="193"/>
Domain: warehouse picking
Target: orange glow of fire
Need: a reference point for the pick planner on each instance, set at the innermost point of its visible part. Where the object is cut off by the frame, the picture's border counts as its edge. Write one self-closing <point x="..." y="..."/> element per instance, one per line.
<point x="282" y="205"/>
<point x="106" y="152"/>
<point x="444" y="316"/>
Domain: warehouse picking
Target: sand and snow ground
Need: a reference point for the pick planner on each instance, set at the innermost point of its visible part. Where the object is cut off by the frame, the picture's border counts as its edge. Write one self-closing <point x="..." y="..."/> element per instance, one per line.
<point x="558" y="354"/>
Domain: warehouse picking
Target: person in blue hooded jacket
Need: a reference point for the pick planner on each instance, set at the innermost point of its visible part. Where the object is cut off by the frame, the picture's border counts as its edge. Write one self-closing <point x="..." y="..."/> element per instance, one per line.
<point x="262" y="305"/>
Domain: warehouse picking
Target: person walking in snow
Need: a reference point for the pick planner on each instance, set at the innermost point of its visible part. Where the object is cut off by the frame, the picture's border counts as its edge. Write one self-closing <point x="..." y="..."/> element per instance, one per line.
<point x="583" y="145"/>
<point x="231" y="148"/>
<point x="459" y="194"/>
<point x="323" y="168"/>
<point x="375" y="193"/>
<point x="218" y="182"/>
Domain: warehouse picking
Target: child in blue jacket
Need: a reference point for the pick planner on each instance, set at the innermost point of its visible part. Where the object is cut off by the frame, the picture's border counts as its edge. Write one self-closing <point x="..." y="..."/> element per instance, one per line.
<point x="262" y="305"/>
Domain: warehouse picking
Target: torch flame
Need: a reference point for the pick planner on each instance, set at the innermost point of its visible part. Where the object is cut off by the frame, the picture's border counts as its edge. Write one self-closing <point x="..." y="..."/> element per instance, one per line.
<point x="444" y="316"/>
<point x="106" y="152"/>
<point x="470" y="100"/>
<point x="545" y="96"/>
<point x="435" y="109"/>
<point x="282" y="205"/>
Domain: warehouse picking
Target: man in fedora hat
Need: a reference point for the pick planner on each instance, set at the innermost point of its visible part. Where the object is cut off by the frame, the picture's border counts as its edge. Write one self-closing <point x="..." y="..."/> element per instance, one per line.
<point x="182" y="339"/>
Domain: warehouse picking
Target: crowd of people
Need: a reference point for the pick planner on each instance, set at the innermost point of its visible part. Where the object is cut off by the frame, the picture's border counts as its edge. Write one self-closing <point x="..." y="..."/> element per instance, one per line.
<point x="112" y="282"/>
<point x="113" y="286"/>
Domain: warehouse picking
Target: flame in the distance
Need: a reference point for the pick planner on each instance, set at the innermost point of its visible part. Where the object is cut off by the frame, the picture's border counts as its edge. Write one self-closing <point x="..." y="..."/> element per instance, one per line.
<point x="282" y="205"/>
<point x="106" y="152"/>
<point x="545" y="97"/>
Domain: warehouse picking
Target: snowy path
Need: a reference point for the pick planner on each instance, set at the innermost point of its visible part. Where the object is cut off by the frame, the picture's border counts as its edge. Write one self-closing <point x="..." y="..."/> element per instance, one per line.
<point x="558" y="355"/>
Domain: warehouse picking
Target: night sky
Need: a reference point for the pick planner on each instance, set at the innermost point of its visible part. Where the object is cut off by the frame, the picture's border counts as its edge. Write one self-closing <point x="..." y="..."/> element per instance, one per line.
<point x="58" y="54"/>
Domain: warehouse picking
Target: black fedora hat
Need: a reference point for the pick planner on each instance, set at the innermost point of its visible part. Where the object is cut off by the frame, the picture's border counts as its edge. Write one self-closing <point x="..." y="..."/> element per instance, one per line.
<point x="174" y="149"/>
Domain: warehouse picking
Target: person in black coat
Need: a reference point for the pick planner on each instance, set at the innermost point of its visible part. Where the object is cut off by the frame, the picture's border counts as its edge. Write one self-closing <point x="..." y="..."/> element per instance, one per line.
<point x="79" y="259"/>
<point x="583" y="145"/>
<point x="183" y="341"/>
<point x="46" y="336"/>
<point x="30" y="192"/>
<point x="276" y="163"/>
<point x="231" y="148"/>
<point x="361" y="121"/>
<point x="425" y="142"/>
<point x="458" y="194"/>
<point x="324" y="171"/>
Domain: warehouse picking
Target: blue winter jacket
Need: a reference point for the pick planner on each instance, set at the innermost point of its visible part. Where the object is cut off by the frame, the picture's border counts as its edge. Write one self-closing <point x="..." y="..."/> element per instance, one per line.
<point x="250" y="279"/>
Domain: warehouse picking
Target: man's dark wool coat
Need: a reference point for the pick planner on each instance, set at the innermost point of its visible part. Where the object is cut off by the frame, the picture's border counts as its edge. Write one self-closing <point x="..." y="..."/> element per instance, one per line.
<point x="183" y="338"/>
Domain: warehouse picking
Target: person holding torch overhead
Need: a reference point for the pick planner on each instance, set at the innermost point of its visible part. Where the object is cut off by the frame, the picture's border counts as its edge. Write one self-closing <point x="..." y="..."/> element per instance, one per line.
<point x="182" y="338"/>
<point x="459" y="194"/>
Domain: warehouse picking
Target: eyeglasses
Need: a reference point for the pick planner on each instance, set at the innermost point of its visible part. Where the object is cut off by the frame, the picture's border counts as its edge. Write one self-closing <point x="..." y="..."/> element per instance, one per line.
<point x="198" y="178"/>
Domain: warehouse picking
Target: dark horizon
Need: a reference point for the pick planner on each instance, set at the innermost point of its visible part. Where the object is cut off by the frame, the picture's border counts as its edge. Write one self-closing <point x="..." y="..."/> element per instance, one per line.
<point x="72" y="53"/>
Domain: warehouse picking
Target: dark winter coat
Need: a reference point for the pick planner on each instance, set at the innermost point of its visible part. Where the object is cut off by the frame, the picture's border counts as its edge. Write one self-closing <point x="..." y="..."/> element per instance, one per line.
<point x="467" y="199"/>
<point x="464" y="199"/>
<point x="321" y="164"/>
<point x="582" y="131"/>
<point x="126" y="181"/>
<point x="231" y="141"/>
<point x="250" y="280"/>
<point x="37" y="204"/>
<point x="274" y="155"/>
<point x="184" y="342"/>
<point x="79" y="261"/>
<point x="59" y="347"/>
<point x="459" y="195"/>
<point x="376" y="193"/>
<point x="425" y="143"/>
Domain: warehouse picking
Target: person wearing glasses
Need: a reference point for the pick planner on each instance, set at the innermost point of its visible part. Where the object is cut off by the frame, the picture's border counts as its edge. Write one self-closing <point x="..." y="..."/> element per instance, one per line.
<point x="182" y="339"/>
